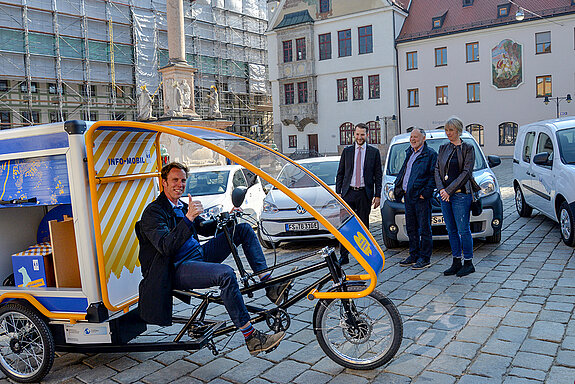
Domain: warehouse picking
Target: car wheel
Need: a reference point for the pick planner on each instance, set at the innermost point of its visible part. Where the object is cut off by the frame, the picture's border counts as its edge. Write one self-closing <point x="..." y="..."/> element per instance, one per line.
<point x="567" y="224"/>
<point x="265" y="243"/>
<point x="389" y="242"/>
<point x="495" y="238"/>
<point x="523" y="209"/>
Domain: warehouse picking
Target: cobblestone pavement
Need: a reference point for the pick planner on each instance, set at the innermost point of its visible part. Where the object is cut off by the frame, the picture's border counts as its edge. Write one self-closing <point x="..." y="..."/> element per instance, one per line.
<point x="510" y="322"/>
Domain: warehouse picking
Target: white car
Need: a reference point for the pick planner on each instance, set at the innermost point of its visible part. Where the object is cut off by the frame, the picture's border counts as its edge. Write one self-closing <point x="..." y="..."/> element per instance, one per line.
<point x="282" y="219"/>
<point x="213" y="186"/>
<point x="544" y="172"/>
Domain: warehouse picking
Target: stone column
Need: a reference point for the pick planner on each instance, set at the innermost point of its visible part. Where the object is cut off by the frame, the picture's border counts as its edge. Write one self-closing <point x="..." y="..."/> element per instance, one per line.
<point x="176" y="36"/>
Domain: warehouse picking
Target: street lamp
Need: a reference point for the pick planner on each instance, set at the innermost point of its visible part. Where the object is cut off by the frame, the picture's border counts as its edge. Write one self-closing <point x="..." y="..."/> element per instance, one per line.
<point x="385" y="120"/>
<point x="557" y="100"/>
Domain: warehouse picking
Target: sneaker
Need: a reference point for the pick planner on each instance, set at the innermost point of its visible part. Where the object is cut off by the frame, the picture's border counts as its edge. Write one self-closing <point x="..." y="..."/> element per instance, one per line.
<point x="260" y="342"/>
<point x="466" y="269"/>
<point x="421" y="265"/>
<point x="406" y="262"/>
<point x="277" y="291"/>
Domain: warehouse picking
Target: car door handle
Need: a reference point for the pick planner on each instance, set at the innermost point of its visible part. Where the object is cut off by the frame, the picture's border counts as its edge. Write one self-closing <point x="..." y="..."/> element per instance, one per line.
<point x="528" y="173"/>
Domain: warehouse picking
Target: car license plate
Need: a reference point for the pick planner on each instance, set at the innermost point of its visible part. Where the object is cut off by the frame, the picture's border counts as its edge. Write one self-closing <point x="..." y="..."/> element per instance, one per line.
<point x="305" y="226"/>
<point x="437" y="220"/>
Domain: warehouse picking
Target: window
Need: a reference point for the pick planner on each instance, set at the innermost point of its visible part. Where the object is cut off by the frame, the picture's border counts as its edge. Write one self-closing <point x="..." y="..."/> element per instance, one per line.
<point x="473" y="92"/>
<point x="467" y="3"/>
<point x="545" y="144"/>
<point x="92" y="116"/>
<point x="118" y="116"/>
<point x="239" y="180"/>
<point x="323" y="6"/>
<point x="325" y="46"/>
<point x="543" y="42"/>
<point x="411" y="60"/>
<point x="5" y="119"/>
<point x="346" y="133"/>
<point x="4" y="86"/>
<point x="342" y="90"/>
<point x="528" y="146"/>
<point x="373" y="81"/>
<point x="472" y="52"/>
<point x="507" y="133"/>
<point x="288" y="54"/>
<point x="289" y="93"/>
<point x="440" y="56"/>
<point x="300" y="48"/>
<point x="476" y="131"/>
<point x="30" y="118"/>
<point x="344" y="42"/>
<point x="24" y="87"/>
<point x="365" y="40"/>
<point x="52" y="88"/>
<point x="83" y="90"/>
<point x="503" y="10"/>
<point x="374" y="132"/>
<point x="55" y="116"/>
<point x="543" y="85"/>
<point x="292" y="141"/>
<point x="441" y="95"/>
<point x="413" y="97"/>
<point x="357" y="83"/>
<point x="302" y="92"/>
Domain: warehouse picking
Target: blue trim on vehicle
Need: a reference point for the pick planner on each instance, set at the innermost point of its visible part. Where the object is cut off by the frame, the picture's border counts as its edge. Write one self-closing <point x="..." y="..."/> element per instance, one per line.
<point x="64" y="304"/>
<point x="34" y="143"/>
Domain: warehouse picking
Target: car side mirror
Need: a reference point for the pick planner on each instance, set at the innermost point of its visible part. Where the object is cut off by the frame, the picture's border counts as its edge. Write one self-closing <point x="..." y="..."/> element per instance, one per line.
<point x="542" y="159"/>
<point x="238" y="196"/>
<point x="493" y="161"/>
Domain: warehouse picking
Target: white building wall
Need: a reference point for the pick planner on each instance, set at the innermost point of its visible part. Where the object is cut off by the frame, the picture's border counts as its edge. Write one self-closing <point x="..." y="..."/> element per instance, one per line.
<point x="519" y="105"/>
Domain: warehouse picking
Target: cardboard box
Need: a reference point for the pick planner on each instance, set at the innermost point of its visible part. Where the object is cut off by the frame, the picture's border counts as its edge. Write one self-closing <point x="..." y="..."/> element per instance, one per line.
<point x="33" y="268"/>
<point x="65" y="253"/>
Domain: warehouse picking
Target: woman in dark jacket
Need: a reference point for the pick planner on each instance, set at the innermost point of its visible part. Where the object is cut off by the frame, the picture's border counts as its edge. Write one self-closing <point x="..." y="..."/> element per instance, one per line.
<point x="453" y="172"/>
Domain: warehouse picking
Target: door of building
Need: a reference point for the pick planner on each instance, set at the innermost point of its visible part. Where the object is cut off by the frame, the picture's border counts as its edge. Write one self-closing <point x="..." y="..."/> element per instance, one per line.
<point x="312" y="143"/>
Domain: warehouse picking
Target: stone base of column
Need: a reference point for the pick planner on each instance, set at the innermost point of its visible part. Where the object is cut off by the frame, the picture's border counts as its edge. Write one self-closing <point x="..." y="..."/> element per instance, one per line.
<point x="178" y="90"/>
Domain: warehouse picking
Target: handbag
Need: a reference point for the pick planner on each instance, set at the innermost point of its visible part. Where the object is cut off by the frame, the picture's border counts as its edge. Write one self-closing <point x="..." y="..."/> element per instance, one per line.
<point x="476" y="204"/>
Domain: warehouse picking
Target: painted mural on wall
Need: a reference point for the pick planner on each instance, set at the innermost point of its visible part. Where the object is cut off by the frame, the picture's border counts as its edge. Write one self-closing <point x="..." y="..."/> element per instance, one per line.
<point x="507" y="64"/>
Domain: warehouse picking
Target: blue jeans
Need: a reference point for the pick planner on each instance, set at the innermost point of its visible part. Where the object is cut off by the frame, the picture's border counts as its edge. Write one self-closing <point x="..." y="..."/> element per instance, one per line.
<point x="418" y="223"/>
<point x="456" y="216"/>
<point x="193" y="274"/>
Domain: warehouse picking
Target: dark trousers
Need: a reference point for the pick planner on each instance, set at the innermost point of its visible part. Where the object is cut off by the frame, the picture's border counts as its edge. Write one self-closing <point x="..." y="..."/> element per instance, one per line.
<point x="418" y="224"/>
<point x="358" y="201"/>
<point x="193" y="274"/>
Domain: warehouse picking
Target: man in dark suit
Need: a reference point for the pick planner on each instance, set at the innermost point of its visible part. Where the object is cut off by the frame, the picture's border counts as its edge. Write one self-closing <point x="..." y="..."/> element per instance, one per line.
<point x="359" y="177"/>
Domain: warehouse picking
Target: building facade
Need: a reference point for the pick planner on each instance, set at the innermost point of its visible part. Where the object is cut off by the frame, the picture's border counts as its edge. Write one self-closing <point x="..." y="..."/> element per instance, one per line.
<point x="88" y="59"/>
<point x="332" y="64"/>
<point x="488" y="62"/>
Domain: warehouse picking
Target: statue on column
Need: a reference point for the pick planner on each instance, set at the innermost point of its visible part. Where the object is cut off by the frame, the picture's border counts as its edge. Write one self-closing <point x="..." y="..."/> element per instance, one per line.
<point x="145" y="101"/>
<point x="186" y="94"/>
<point x="214" y="104"/>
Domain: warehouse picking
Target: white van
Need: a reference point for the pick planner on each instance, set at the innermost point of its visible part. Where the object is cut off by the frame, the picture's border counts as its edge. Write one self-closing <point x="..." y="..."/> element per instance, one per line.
<point x="544" y="172"/>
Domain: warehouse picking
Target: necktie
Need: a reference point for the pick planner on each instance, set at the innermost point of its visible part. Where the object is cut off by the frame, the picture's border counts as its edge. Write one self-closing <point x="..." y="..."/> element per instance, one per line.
<point x="358" y="168"/>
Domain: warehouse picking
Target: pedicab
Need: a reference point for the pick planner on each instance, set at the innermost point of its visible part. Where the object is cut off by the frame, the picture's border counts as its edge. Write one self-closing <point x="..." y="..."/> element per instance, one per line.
<point x="70" y="197"/>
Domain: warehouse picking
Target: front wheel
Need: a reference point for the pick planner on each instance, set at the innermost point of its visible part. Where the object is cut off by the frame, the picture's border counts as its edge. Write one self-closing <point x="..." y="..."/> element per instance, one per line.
<point x="26" y="344"/>
<point x="265" y="243"/>
<point x="523" y="209"/>
<point x="362" y="333"/>
<point x="389" y="242"/>
<point x="567" y="224"/>
<point x="495" y="238"/>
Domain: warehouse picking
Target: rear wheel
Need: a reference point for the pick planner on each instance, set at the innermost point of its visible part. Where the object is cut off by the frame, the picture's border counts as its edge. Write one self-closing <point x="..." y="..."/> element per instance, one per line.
<point x="567" y="224"/>
<point x="523" y="209"/>
<point x="26" y="344"/>
<point x="362" y="333"/>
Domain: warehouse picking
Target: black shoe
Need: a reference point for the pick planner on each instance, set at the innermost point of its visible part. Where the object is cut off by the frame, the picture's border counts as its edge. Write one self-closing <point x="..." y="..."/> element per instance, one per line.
<point x="278" y="291"/>
<point x="260" y="342"/>
<point x="455" y="267"/>
<point x="343" y="260"/>
<point x="421" y="264"/>
<point x="466" y="269"/>
<point x="407" y="262"/>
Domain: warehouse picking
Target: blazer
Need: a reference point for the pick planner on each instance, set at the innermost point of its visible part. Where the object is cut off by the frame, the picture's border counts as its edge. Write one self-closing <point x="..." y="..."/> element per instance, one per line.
<point x="372" y="171"/>
<point x="161" y="234"/>
<point x="466" y="159"/>
<point x="421" y="180"/>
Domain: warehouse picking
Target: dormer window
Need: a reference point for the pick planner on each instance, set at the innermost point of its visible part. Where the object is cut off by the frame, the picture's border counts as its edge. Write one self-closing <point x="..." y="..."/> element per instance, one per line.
<point x="438" y="21"/>
<point x="503" y="10"/>
<point x="467" y="3"/>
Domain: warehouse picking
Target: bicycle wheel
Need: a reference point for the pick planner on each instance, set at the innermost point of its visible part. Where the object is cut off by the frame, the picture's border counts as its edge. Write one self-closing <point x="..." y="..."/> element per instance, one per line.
<point x="367" y="338"/>
<point x="26" y="344"/>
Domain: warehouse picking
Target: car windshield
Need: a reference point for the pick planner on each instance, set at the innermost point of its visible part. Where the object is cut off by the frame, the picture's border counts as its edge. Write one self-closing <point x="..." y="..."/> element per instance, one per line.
<point x="293" y="177"/>
<point x="206" y="183"/>
<point x="566" y="139"/>
<point x="397" y="154"/>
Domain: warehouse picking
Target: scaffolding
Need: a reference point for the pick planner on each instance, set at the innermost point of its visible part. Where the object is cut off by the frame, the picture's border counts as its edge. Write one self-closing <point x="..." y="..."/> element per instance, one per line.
<point x="87" y="59"/>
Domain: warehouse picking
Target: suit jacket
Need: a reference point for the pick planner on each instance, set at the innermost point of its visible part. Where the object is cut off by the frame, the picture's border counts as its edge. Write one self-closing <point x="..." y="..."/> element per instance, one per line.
<point x="161" y="234"/>
<point x="372" y="171"/>
<point x="421" y="180"/>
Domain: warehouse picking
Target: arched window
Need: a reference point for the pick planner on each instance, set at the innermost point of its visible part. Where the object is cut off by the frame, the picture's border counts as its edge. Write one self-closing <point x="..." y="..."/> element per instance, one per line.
<point x="374" y="129"/>
<point x="476" y="131"/>
<point x="507" y="133"/>
<point x="346" y="133"/>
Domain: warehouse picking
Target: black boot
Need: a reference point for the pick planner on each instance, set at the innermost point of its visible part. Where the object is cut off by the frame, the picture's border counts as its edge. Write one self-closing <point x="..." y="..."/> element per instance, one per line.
<point x="455" y="267"/>
<point x="466" y="269"/>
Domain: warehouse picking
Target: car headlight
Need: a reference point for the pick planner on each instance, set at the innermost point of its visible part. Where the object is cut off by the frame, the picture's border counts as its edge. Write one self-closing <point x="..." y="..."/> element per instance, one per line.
<point x="487" y="187"/>
<point x="212" y="211"/>
<point x="270" y="207"/>
<point x="388" y="191"/>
